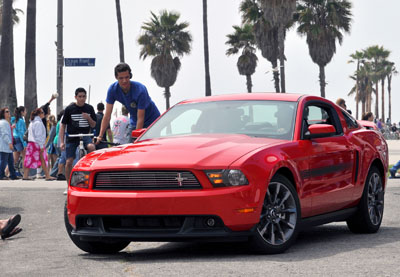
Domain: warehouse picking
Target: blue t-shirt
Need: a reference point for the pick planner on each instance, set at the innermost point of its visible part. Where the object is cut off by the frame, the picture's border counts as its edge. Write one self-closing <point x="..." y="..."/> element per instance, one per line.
<point x="136" y="98"/>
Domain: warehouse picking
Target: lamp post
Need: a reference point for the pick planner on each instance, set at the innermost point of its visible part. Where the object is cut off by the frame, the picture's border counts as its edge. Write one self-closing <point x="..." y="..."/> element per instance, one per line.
<point x="60" y="57"/>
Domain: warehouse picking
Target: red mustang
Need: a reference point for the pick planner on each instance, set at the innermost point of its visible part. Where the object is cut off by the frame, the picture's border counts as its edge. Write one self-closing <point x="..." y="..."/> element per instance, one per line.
<point x="256" y="167"/>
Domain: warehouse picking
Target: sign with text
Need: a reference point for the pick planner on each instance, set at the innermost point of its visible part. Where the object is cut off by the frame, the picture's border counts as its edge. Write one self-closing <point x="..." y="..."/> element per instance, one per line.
<point x="80" y="61"/>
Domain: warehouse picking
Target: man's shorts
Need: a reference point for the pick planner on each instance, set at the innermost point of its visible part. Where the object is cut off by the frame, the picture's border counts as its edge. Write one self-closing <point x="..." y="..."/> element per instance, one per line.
<point x="18" y="146"/>
<point x="70" y="148"/>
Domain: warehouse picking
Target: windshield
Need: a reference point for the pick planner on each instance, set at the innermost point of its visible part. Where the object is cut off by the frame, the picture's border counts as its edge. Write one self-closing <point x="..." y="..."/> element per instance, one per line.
<point x="270" y="119"/>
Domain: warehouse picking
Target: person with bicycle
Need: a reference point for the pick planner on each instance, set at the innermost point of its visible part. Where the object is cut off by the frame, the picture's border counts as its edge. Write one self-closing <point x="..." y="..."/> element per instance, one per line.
<point x="134" y="96"/>
<point x="79" y="118"/>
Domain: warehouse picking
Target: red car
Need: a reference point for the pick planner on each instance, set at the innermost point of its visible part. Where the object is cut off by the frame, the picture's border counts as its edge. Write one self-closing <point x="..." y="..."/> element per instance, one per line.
<point x="257" y="167"/>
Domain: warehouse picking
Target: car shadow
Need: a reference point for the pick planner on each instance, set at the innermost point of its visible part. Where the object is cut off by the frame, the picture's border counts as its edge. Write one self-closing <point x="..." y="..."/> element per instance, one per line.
<point x="314" y="243"/>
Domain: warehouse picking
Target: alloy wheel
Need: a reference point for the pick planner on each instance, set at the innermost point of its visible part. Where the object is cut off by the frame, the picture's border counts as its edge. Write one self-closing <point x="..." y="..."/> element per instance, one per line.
<point x="279" y="215"/>
<point x="375" y="199"/>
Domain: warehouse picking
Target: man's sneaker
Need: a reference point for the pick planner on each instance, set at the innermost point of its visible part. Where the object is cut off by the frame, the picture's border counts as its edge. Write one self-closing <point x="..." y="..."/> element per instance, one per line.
<point x="65" y="192"/>
<point x="18" y="174"/>
<point x="392" y="173"/>
<point x="61" y="177"/>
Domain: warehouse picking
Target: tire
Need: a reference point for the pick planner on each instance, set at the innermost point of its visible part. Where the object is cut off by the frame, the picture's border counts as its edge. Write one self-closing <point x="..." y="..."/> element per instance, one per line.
<point x="93" y="247"/>
<point x="369" y="216"/>
<point x="279" y="219"/>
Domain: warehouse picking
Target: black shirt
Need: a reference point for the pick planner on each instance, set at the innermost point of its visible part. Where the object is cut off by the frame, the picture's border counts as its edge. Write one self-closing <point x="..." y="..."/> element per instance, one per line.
<point x="75" y="122"/>
<point x="96" y="130"/>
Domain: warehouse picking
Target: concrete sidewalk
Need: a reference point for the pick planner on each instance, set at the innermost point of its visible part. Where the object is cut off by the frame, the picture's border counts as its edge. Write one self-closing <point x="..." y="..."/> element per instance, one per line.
<point x="394" y="151"/>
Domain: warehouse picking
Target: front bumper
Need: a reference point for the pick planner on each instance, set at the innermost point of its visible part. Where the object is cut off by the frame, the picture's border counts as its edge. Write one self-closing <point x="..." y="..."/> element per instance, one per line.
<point x="164" y="215"/>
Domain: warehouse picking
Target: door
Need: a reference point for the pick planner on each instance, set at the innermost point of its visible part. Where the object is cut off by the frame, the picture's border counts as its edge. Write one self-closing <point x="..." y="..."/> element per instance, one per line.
<point x="328" y="179"/>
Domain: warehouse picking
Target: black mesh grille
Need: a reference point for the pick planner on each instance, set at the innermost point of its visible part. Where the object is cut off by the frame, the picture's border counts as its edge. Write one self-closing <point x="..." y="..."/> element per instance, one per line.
<point x="145" y="180"/>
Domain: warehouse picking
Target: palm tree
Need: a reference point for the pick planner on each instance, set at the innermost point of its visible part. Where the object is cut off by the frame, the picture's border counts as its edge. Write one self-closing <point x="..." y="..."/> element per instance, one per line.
<point x="30" y="95"/>
<point x="390" y="71"/>
<point x="5" y="54"/>
<point x="357" y="57"/>
<point x="279" y="14"/>
<point x="206" y="52"/>
<point x="377" y="56"/>
<point x="12" y="94"/>
<point x="365" y="86"/>
<point x="120" y="33"/>
<point x="163" y="39"/>
<point x="322" y="22"/>
<point x="15" y="17"/>
<point x="266" y="37"/>
<point x="243" y="38"/>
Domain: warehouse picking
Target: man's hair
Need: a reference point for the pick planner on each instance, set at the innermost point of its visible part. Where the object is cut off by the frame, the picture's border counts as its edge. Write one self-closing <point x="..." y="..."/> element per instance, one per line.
<point x="366" y="116"/>
<point x="122" y="67"/>
<point x="78" y="90"/>
<point x="124" y="110"/>
<point x="340" y="101"/>
<point x="100" y="107"/>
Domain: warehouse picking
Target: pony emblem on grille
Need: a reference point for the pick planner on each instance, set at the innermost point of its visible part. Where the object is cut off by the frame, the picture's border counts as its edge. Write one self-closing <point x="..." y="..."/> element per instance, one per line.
<point x="180" y="179"/>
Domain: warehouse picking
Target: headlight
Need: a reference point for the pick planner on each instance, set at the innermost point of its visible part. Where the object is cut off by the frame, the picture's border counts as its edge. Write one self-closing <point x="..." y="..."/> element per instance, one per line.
<point x="226" y="178"/>
<point x="80" y="179"/>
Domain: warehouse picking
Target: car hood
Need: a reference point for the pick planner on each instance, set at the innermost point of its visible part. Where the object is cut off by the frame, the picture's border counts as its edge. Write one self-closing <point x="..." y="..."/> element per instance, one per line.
<point x="197" y="151"/>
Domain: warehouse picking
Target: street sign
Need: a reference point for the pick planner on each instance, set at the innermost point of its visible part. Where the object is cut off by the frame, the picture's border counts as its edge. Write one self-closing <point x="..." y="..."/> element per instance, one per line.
<point x="80" y="61"/>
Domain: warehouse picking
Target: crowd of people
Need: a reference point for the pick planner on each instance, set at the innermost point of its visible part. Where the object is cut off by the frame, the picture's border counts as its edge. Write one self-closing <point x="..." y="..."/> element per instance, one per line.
<point x="45" y="149"/>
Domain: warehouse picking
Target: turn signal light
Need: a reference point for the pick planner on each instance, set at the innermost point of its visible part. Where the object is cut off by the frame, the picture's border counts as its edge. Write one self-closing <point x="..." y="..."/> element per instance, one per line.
<point x="246" y="210"/>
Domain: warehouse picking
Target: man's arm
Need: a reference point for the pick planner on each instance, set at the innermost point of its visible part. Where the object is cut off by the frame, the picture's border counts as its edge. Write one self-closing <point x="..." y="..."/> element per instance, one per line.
<point x="106" y="120"/>
<point x="140" y="118"/>
<point x="61" y="135"/>
<point x="92" y="123"/>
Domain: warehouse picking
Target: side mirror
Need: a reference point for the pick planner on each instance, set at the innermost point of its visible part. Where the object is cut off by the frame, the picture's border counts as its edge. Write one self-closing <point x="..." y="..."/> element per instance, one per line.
<point x="321" y="130"/>
<point x="137" y="133"/>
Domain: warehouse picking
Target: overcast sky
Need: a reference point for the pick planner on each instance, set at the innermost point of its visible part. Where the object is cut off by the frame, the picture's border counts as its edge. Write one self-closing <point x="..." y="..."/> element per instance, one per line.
<point x="90" y="30"/>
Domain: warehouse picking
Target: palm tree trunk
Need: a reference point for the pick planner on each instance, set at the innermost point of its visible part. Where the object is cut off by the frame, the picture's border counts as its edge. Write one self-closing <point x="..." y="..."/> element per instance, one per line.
<point x="363" y="107"/>
<point x="357" y="89"/>
<point x="383" y="98"/>
<point x="167" y="95"/>
<point x="30" y="97"/>
<point x="120" y="33"/>
<point x="369" y="102"/>
<point x="390" y="95"/>
<point x="13" y="92"/>
<point x="249" y="83"/>
<point x="357" y="108"/>
<point x="5" y="53"/>
<point x="322" y="80"/>
<point x="281" y="40"/>
<point x="206" y="52"/>
<point x="276" y="76"/>
<point x="377" y="101"/>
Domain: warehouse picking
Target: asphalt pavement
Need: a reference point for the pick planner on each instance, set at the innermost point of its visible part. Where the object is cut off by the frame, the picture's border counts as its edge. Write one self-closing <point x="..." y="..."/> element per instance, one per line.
<point x="44" y="249"/>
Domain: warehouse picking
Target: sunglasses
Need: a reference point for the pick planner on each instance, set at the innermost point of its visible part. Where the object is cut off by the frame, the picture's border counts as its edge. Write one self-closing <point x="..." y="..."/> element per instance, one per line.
<point x="6" y="111"/>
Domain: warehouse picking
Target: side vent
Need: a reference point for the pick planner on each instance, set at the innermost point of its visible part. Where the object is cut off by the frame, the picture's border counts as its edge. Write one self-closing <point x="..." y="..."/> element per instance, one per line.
<point x="357" y="154"/>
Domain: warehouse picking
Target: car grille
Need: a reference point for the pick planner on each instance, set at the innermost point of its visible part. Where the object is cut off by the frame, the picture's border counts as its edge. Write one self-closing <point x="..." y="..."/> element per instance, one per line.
<point x="145" y="180"/>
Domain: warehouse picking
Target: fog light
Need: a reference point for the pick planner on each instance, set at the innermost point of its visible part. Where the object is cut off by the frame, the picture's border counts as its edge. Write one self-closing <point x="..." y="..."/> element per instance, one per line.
<point x="210" y="222"/>
<point x="89" y="222"/>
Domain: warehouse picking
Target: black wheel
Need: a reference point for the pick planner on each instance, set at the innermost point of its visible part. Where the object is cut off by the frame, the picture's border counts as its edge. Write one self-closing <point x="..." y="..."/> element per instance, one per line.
<point x="369" y="216"/>
<point x="279" y="219"/>
<point x="93" y="247"/>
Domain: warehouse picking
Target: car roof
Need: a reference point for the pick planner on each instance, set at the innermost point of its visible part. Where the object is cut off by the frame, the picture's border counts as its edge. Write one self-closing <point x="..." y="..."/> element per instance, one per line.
<point x="291" y="97"/>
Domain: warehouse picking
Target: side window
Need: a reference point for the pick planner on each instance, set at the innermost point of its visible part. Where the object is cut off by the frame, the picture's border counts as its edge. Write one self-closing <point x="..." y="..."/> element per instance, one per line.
<point x="351" y="122"/>
<point x="320" y="113"/>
